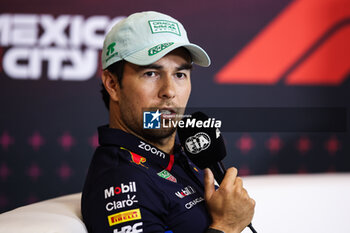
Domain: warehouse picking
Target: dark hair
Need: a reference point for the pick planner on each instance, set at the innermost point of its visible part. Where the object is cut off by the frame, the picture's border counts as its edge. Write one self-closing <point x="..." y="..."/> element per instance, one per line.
<point x="116" y="69"/>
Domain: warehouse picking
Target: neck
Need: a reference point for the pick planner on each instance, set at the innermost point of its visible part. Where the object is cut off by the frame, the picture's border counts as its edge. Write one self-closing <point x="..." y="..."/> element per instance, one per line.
<point x="165" y="144"/>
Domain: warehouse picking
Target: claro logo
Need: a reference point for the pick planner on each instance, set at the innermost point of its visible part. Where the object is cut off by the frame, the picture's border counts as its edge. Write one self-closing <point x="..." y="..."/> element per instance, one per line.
<point x="68" y="44"/>
<point x="121" y="204"/>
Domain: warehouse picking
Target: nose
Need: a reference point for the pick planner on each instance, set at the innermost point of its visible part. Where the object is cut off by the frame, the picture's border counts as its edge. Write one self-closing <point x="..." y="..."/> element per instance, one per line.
<point x="167" y="89"/>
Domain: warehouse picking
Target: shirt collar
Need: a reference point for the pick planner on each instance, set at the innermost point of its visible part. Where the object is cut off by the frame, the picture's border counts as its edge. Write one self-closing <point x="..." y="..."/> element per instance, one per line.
<point x="110" y="136"/>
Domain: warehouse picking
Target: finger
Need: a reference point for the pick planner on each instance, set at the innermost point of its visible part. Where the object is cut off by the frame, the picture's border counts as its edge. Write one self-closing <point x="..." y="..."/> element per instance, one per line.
<point x="246" y="196"/>
<point x="209" y="188"/>
<point x="252" y="202"/>
<point x="239" y="181"/>
<point x="229" y="178"/>
<point x="245" y="193"/>
<point x="238" y="184"/>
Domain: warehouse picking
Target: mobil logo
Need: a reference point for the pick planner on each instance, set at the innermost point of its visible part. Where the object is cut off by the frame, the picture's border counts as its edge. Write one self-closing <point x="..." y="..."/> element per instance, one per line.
<point x="123" y="188"/>
<point x="185" y="192"/>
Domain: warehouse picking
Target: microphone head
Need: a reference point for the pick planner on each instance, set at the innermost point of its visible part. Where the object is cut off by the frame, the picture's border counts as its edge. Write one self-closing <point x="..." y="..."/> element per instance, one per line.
<point x="204" y="146"/>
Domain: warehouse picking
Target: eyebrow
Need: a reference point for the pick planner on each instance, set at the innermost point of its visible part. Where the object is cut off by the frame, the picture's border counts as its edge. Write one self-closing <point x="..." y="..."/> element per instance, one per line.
<point x="186" y="66"/>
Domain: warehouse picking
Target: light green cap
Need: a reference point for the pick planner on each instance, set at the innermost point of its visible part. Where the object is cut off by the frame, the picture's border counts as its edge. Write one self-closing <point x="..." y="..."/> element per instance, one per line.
<point x="143" y="38"/>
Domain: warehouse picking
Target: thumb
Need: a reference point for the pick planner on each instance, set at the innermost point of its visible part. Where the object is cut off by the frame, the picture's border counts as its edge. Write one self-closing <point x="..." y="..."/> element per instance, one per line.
<point x="209" y="188"/>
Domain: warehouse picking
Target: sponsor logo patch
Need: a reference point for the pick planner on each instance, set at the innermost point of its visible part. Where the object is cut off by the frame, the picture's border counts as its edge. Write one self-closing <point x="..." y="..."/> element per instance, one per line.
<point x="121" y="204"/>
<point x="164" y="26"/>
<point x="130" y="229"/>
<point x="156" y="49"/>
<point x="124" y="188"/>
<point x="151" y="149"/>
<point x="194" y="202"/>
<point x="135" y="158"/>
<point x="124" y="216"/>
<point x="111" y="51"/>
<point x="166" y="175"/>
<point x="188" y="190"/>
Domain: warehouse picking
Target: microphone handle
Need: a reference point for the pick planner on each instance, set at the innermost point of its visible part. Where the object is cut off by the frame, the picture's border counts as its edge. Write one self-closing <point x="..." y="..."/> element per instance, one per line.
<point x="219" y="171"/>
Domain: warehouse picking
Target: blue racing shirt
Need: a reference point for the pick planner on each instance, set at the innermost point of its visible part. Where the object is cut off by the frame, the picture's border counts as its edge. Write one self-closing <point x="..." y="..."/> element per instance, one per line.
<point x="133" y="187"/>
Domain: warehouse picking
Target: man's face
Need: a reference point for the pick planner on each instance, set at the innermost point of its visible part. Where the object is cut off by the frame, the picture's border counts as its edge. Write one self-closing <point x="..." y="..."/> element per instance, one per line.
<point x="163" y="85"/>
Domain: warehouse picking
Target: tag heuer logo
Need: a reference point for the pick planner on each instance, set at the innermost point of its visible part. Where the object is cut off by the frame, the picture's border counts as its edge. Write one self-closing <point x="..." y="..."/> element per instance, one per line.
<point x="160" y="26"/>
<point x="156" y="49"/>
<point x="166" y="175"/>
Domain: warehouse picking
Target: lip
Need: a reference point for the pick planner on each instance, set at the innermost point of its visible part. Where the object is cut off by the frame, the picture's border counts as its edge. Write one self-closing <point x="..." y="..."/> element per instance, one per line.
<point x="168" y="112"/>
<point x="171" y="110"/>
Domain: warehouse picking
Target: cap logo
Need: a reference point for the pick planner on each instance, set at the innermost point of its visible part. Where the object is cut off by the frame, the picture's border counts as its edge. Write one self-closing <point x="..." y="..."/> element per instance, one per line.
<point x="110" y="48"/>
<point x="156" y="49"/>
<point x="110" y="51"/>
<point x="164" y="26"/>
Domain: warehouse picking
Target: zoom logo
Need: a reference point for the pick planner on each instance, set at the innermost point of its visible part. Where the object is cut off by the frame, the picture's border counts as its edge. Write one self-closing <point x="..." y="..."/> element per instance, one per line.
<point x="151" y="149"/>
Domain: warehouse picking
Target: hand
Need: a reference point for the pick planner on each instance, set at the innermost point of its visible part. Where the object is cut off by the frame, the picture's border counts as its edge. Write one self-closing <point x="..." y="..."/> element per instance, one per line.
<point x="230" y="206"/>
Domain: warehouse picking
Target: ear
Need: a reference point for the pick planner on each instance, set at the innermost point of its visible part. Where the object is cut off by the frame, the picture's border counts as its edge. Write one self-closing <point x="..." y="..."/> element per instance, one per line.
<point x="111" y="84"/>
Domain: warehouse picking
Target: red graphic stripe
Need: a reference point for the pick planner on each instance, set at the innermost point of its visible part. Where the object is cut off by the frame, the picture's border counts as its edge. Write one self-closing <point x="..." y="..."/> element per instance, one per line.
<point x="171" y="163"/>
<point x="328" y="65"/>
<point x="267" y="57"/>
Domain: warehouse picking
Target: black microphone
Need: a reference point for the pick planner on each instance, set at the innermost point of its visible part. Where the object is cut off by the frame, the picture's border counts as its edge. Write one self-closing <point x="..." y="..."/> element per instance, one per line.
<point x="204" y="145"/>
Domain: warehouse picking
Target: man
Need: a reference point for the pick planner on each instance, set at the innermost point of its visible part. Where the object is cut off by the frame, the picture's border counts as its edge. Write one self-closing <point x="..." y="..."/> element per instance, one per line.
<point x="139" y="179"/>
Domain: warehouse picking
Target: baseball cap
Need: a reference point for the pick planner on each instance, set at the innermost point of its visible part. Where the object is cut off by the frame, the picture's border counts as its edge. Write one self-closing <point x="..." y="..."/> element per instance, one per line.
<point x="145" y="37"/>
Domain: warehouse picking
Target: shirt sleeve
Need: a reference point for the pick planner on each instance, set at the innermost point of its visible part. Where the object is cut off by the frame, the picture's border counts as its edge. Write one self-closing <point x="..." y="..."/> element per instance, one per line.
<point x="125" y="199"/>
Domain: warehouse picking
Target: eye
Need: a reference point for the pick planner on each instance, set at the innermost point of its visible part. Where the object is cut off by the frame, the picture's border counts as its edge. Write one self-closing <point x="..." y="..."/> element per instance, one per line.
<point x="180" y="75"/>
<point x="150" y="74"/>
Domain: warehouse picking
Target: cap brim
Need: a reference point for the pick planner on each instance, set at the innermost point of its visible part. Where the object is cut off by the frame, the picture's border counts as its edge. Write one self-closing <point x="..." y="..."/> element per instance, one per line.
<point x="142" y="58"/>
